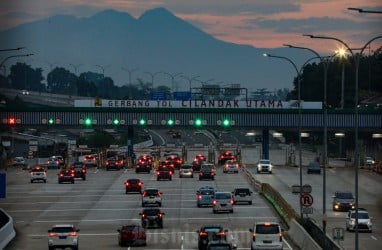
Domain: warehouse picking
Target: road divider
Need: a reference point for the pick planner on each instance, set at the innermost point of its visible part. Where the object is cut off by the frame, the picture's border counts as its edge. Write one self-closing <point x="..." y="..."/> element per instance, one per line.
<point x="7" y="231"/>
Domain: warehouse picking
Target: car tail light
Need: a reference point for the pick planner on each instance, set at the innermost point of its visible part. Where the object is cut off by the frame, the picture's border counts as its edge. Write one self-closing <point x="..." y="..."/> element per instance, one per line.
<point x="72" y="174"/>
<point x="83" y="170"/>
<point x="72" y="234"/>
<point x="170" y="173"/>
<point x="127" y="184"/>
<point x="143" y="216"/>
<point x="254" y="236"/>
<point x="160" y="215"/>
<point x="214" y="202"/>
<point x="281" y="237"/>
<point x="200" y="173"/>
<point x="158" y="172"/>
<point x="61" y="175"/>
<point x="220" y="233"/>
<point x="200" y="197"/>
<point x="53" y="235"/>
<point x="203" y="234"/>
<point x="231" y="202"/>
<point x="139" y="183"/>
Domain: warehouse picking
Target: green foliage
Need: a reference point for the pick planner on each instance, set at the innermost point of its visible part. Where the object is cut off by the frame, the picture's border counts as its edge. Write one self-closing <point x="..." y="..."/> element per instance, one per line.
<point x="22" y="76"/>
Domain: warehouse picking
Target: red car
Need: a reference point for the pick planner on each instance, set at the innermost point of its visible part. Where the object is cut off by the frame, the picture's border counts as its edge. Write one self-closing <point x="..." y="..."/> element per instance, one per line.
<point x="225" y="157"/>
<point x="132" y="235"/>
<point x="113" y="163"/>
<point x="146" y="159"/>
<point x="174" y="160"/>
<point x="133" y="185"/>
<point x="197" y="162"/>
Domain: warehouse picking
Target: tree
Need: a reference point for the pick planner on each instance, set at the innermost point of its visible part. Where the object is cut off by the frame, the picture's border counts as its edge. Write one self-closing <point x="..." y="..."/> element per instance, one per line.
<point x="85" y="88"/>
<point x="22" y="76"/>
<point x="62" y="81"/>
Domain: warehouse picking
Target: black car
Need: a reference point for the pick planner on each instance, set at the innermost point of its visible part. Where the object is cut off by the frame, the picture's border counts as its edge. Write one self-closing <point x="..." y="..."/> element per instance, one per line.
<point x="343" y="201"/>
<point x="209" y="233"/>
<point x="207" y="171"/>
<point x="142" y="167"/>
<point x="314" y="167"/>
<point x="164" y="173"/>
<point x="66" y="175"/>
<point x="79" y="170"/>
<point x="152" y="217"/>
<point x="113" y="164"/>
<point x="133" y="185"/>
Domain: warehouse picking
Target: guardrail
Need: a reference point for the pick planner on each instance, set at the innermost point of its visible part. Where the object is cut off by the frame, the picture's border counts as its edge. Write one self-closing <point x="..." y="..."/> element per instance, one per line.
<point x="7" y="231"/>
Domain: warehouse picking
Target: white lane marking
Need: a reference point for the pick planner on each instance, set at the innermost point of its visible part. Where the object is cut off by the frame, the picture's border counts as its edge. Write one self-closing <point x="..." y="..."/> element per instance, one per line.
<point x="373" y="237"/>
<point x="181" y="242"/>
<point x="168" y="219"/>
<point x="97" y="170"/>
<point x="286" y="242"/>
<point x="95" y="209"/>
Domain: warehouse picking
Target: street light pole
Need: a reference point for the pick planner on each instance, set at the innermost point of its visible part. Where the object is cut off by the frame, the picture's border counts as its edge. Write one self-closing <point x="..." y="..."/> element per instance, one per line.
<point x="366" y="11"/>
<point x="173" y="80"/>
<point x="130" y="72"/>
<point x="356" y="58"/>
<point x="325" y="119"/>
<point x="190" y="79"/>
<point x="152" y="77"/>
<point x="19" y="48"/>
<point x="5" y="59"/>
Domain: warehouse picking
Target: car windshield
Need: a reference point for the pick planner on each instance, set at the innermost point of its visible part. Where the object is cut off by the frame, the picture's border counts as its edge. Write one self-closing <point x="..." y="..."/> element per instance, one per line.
<point x="225" y="196"/>
<point x="344" y="195"/>
<point x="151" y="212"/>
<point x="62" y="229"/>
<point x="207" y="167"/>
<point x="267" y="229"/>
<point x="265" y="162"/>
<point x="37" y="170"/>
<point x="151" y="192"/>
<point x="242" y="191"/>
<point x="360" y="215"/>
<point x="212" y="229"/>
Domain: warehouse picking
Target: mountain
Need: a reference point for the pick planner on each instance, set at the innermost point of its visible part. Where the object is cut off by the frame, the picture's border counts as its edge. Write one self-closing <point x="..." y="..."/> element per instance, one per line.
<point x="156" y="41"/>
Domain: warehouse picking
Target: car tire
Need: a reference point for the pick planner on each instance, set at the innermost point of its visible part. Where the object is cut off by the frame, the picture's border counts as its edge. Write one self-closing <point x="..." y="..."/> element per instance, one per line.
<point x="270" y="172"/>
<point x="158" y="179"/>
<point x="159" y="204"/>
<point x="51" y="248"/>
<point x="231" y="211"/>
<point x="72" y="182"/>
<point x="31" y="181"/>
<point x="198" y="205"/>
<point x="250" y="203"/>
<point x="143" y="204"/>
<point x="214" y="211"/>
<point x="170" y="179"/>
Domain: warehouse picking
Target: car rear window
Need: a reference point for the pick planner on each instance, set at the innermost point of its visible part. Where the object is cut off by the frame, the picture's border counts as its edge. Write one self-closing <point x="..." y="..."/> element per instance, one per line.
<point x="267" y="229"/>
<point x="242" y="191"/>
<point x="224" y="196"/>
<point x="63" y="229"/>
<point x="151" y="212"/>
<point x="186" y="166"/>
<point x="212" y="229"/>
<point x="151" y="192"/>
<point x="206" y="192"/>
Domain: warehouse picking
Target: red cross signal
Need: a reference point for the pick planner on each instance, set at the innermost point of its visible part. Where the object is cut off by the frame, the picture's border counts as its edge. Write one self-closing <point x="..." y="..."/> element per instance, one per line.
<point x="306" y="200"/>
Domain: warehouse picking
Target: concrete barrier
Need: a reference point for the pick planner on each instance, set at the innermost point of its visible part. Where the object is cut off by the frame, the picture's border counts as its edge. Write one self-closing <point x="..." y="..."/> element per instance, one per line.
<point x="300" y="237"/>
<point x="7" y="231"/>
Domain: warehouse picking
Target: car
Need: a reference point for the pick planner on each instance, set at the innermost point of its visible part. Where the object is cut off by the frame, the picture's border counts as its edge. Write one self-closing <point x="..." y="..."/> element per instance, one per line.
<point x="18" y="161"/>
<point x="314" y="167"/>
<point x="90" y="160"/>
<point x="222" y="202"/>
<point x="242" y="195"/>
<point x="231" y="166"/>
<point x="207" y="171"/>
<point x="79" y="170"/>
<point x="170" y="153"/>
<point x="221" y="245"/>
<point x="164" y="172"/>
<point x="343" y="201"/>
<point x="205" y="196"/>
<point x="186" y="170"/>
<point x="152" y="217"/>
<point x="199" y="159"/>
<point x="113" y="164"/>
<point x="25" y="92"/>
<point x="176" y="135"/>
<point x="146" y="160"/>
<point x="66" y="175"/>
<point x="174" y="160"/>
<point x="131" y="235"/>
<point x="369" y="161"/>
<point x="151" y="196"/>
<point x="38" y="173"/>
<point x="267" y="235"/>
<point x="210" y="232"/>
<point x="63" y="236"/>
<point x="54" y="162"/>
<point x="264" y="165"/>
<point x="225" y="156"/>
<point x="142" y="167"/>
<point x="133" y="185"/>
<point x="364" y="220"/>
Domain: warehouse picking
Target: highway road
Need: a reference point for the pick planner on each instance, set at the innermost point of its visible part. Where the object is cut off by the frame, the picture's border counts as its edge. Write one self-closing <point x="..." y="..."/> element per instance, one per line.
<point x="99" y="205"/>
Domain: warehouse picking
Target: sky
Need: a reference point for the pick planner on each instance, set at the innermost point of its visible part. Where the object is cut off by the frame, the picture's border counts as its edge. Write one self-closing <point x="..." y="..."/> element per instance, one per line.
<point x="260" y="23"/>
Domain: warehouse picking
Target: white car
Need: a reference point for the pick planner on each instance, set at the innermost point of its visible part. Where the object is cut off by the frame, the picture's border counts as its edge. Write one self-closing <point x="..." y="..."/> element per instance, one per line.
<point x="63" y="236"/>
<point x="151" y="196"/>
<point x="19" y="161"/>
<point x="222" y="202"/>
<point x="242" y="195"/>
<point x="38" y="174"/>
<point x="186" y="170"/>
<point x="25" y="92"/>
<point x="264" y="165"/>
<point x="267" y="235"/>
<point x="364" y="220"/>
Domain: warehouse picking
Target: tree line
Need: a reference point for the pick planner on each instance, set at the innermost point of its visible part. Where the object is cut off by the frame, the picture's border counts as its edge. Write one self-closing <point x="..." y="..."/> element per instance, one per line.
<point x="61" y="81"/>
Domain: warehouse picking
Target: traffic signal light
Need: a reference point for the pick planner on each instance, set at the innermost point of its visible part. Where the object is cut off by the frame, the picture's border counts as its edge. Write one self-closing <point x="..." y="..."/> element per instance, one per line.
<point x="142" y="122"/>
<point x="170" y="122"/>
<point x="11" y="121"/>
<point x="88" y="122"/>
<point x="116" y="122"/>
<point x="198" y="122"/>
<point x="226" y="123"/>
<point x="50" y="121"/>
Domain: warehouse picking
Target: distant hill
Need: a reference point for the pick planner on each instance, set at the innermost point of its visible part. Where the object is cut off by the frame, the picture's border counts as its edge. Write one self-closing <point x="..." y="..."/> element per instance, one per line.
<point x="156" y="41"/>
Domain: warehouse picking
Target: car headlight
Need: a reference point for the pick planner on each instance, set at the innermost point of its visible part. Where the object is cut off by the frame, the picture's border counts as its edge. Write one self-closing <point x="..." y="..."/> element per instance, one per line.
<point x="369" y="223"/>
<point x="352" y="222"/>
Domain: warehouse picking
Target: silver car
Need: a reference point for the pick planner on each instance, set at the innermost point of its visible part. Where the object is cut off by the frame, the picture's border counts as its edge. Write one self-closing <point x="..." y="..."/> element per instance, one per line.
<point x="186" y="170"/>
<point x="38" y="174"/>
<point x="222" y="202"/>
<point x="63" y="236"/>
<point x="151" y="196"/>
<point x="364" y="220"/>
<point x="264" y="165"/>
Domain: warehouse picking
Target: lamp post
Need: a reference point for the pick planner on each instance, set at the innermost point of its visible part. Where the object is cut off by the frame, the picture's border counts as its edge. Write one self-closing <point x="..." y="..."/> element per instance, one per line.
<point x="356" y="58"/>
<point x="325" y="119"/>
<point x="75" y="67"/>
<point x="102" y="69"/>
<point x="190" y="79"/>
<point x="366" y="11"/>
<point x="19" y="48"/>
<point x="298" y="72"/>
<point x="9" y="57"/>
<point x="173" y="87"/>
<point x="130" y="72"/>
<point x="152" y="77"/>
